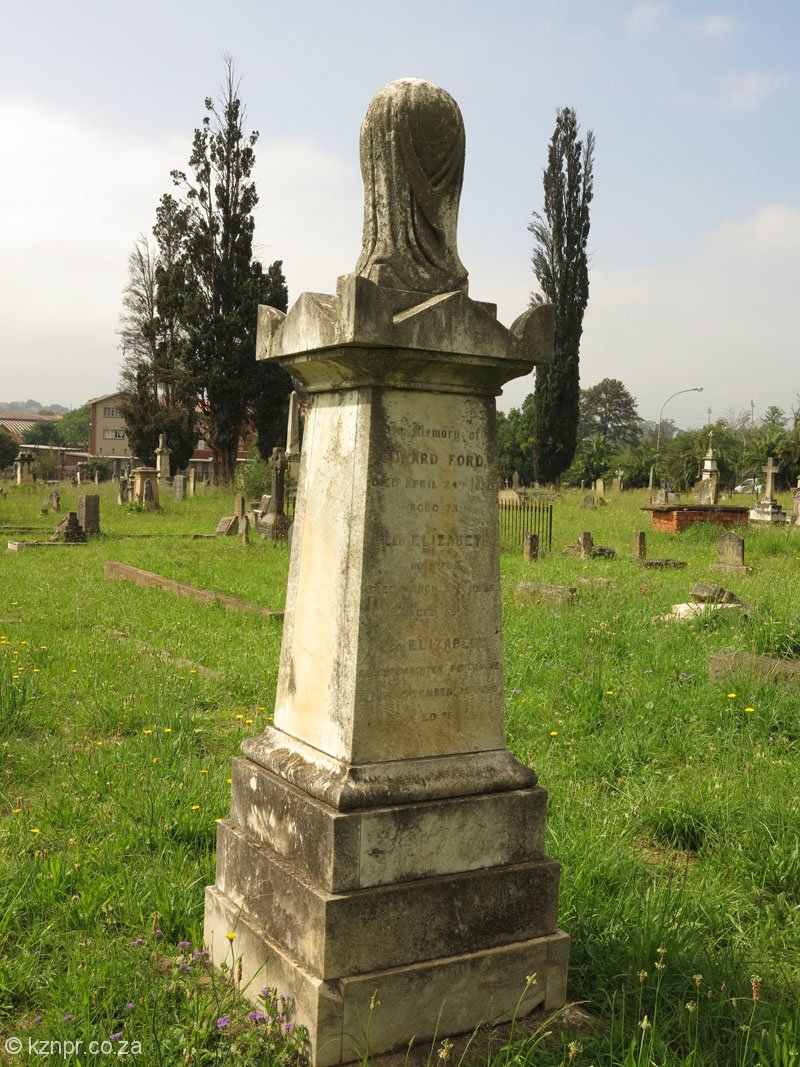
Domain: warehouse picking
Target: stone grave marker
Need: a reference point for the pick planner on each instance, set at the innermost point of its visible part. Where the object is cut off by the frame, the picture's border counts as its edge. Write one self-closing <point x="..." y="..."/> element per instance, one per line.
<point x="585" y="545"/>
<point x="600" y="489"/>
<point x="145" y="487"/>
<point x="123" y="490"/>
<point x="515" y="480"/>
<point x="69" y="530"/>
<point x="54" y="500"/>
<point x="274" y="524"/>
<point x="89" y="513"/>
<point x="530" y="547"/>
<point x="731" y="555"/>
<point x="768" y="510"/>
<point x="640" y="545"/>
<point x="384" y="844"/>
<point x="191" y="485"/>
<point x="179" y="486"/>
<point x="162" y="458"/>
<point x="23" y="467"/>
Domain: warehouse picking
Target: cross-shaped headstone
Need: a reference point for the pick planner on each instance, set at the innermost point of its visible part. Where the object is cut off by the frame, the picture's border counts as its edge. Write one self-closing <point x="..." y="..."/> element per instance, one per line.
<point x="770" y="470"/>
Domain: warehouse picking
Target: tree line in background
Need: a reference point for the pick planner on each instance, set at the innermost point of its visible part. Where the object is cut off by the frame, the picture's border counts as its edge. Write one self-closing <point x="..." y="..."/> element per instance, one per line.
<point x="611" y="437"/>
<point x="188" y="324"/>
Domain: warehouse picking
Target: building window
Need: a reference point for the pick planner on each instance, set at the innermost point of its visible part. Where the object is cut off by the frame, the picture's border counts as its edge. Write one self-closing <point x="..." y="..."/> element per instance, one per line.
<point x="112" y="413"/>
<point x="114" y="435"/>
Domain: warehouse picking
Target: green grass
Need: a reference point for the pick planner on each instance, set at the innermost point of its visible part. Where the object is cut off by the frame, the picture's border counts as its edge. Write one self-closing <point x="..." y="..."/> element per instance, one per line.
<point x="673" y="808"/>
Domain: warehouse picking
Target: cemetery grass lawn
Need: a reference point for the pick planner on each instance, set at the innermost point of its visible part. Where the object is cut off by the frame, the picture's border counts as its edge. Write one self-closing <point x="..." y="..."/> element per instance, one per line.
<point x="673" y="799"/>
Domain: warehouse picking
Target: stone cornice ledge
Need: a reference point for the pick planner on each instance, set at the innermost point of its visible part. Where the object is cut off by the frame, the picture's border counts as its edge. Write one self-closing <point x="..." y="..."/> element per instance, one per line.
<point x="347" y="788"/>
<point x="371" y="335"/>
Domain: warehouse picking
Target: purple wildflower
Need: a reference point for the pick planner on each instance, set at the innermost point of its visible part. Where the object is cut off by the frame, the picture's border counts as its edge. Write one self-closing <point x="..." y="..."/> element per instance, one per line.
<point x="223" y="1022"/>
<point x="37" y="1018"/>
<point x="200" y="954"/>
<point x="117" y="1036"/>
<point x="184" y="968"/>
<point x="257" y="1016"/>
<point x="288" y="1027"/>
<point x="158" y="932"/>
<point x="184" y="946"/>
<point x="137" y="941"/>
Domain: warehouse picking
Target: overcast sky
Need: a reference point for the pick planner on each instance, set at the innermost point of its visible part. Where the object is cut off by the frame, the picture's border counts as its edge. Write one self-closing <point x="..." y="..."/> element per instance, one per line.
<point x="695" y="243"/>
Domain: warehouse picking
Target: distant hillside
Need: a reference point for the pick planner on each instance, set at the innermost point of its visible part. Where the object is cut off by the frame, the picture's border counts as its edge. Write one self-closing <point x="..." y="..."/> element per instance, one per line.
<point x="31" y="407"/>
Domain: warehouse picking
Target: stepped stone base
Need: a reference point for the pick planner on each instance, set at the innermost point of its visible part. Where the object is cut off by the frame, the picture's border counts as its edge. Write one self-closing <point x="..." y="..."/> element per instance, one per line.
<point x="445" y="996"/>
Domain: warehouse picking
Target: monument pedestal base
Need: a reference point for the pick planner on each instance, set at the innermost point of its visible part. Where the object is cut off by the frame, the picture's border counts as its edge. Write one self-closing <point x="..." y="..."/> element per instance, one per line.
<point x="770" y="513"/>
<point x="379" y="1011"/>
<point x="440" y="908"/>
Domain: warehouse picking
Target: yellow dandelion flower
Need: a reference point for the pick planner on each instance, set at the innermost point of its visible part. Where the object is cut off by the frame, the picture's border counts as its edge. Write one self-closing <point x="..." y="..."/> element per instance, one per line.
<point x="17" y="811"/>
<point x="229" y="780"/>
<point x="73" y="670"/>
<point x="248" y="722"/>
<point x="749" y="709"/>
<point x="231" y="935"/>
<point x="554" y="733"/>
<point x="195" y="807"/>
<point x="167" y="729"/>
<point x="156" y="759"/>
<point x="147" y="732"/>
<point x="731" y="696"/>
<point x="35" y="830"/>
<point x="238" y="716"/>
<point x="204" y="770"/>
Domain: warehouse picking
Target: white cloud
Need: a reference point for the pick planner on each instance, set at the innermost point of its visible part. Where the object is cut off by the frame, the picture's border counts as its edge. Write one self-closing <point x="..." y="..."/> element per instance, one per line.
<point x="722" y="317"/>
<point x="647" y="14"/>
<point x="747" y="92"/>
<point x="73" y="198"/>
<point x="713" y="27"/>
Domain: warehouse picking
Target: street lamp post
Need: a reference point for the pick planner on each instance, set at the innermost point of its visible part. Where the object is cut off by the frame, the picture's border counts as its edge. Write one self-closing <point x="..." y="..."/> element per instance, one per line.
<point x="680" y="392"/>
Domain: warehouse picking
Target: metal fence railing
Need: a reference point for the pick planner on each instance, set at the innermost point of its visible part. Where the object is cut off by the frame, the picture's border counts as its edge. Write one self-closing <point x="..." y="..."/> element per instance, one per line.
<point x="519" y="519"/>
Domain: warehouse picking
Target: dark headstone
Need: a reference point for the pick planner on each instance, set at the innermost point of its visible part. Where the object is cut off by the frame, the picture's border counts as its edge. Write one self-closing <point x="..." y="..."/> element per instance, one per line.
<point x="89" y="513"/>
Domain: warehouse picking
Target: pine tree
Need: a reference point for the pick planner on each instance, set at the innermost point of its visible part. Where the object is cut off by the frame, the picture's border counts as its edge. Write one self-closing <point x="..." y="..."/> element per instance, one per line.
<point x="560" y="264"/>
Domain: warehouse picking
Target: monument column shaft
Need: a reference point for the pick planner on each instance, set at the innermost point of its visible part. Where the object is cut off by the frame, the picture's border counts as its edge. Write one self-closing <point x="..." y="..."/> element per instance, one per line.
<point x="392" y="645"/>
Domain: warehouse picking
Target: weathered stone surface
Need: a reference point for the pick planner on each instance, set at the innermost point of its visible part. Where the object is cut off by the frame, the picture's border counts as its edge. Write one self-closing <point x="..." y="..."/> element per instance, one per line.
<point x="341" y="851"/>
<point x="227" y="526"/>
<point x="563" y="594"/>
<point x="69" y="530"/>
<point x="640" y="545"/>
<point x="682" y="612"/>
<point x="145" y="487"/>
<point x="664" y="564"/>
<point x="89" y="514"/>
<point x="334" y="934"/>
<point x="708" y="593"/>
<point x="530" y="547"/>
<point x="731" y="555"/>
<point x="767" y="668"/>
<point x="768" y="510"/>
<point x="113" y="570"/>
<point x="179" y="486"/>
<point x="390" y="680"/>
<point x="348" y="786"/>
<point x="437" y="997"/>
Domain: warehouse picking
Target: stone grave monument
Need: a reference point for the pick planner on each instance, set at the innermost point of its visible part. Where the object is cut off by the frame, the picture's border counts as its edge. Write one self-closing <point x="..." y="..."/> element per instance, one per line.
<point x="706" y="491"/>
<point x="69" y="530"/>
<point x="530" y="547"/>
<point x="145" y="487"/>
<point x="54" y="500"/>
<point x="123" y="489"/>
<point x="768" y="509"/>
<point x="600" y="489"/>
<point x="640" y="545"/>
<point x="23" y="467"/>
<point x="515" y="480"/>
<point x="384" y="845"/>
<point x="191" y="485"/>
<point x="162" y="459"/>
<point x="796" y="505"/>
<point x="179" y="486"/>
<point x="89" y="513"/>
<point x="273" y="524"/>
<point x="731" y="555"/>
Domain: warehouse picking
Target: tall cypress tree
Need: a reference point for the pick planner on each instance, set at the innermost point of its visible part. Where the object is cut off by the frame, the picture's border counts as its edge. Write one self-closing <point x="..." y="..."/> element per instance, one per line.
<point x="561" y="233"/>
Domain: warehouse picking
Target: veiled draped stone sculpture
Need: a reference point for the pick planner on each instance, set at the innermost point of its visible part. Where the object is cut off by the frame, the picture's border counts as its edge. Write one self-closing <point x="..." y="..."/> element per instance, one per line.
<point x="412" y="165"/>
<point x="383" y="842"/>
